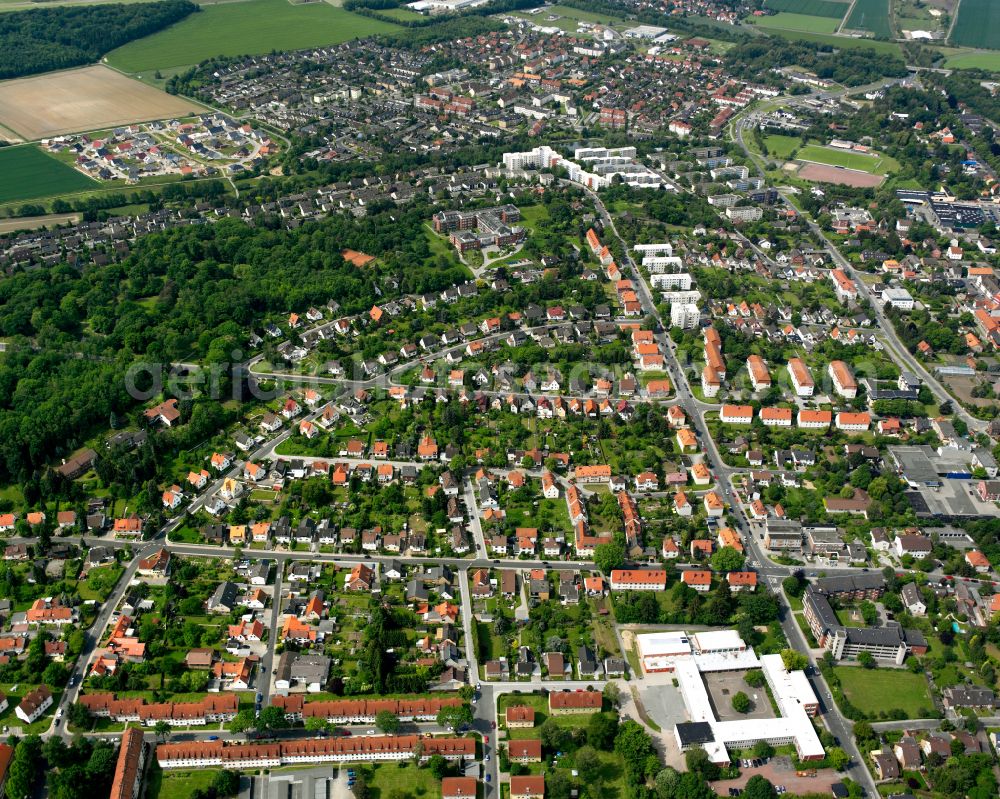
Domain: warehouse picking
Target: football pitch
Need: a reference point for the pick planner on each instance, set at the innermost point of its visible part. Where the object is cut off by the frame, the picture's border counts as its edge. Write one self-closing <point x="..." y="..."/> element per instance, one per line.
<point x="873" y="164"/>
<point x="252" y="27"/>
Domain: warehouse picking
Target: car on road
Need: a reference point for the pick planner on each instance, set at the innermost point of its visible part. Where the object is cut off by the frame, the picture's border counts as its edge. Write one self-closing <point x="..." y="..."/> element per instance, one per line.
<point x="213" y="737"/>
<point x="486" y="739"/>
<point x="489" y="778"/>
<point x="486" y="759"/>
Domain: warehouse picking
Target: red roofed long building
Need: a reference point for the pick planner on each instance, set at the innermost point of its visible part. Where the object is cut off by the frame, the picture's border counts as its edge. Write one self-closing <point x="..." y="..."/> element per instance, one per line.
<point x="638" y="579"/>
<point x="564" y="703"/>
<point x="363" y="711"/>
<point x="131" y="761"/>
<point x="367" y="748"/>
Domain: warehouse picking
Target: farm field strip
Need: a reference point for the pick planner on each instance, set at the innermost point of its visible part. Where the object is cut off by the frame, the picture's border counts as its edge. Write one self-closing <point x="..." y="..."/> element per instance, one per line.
<point x="977" y="25"/>
<point x="28" y="173"/>
<point x="870" y="15"/>
<point x="252" y="27"/>
<point x="799" y="22"/>
<point x="91" y="98"/>
<point x="833" y="9"/>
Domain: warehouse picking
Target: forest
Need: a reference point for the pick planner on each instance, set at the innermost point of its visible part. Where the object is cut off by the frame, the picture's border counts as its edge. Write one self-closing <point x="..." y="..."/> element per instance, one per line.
<point x="188" y="293"/>
<point x="849" y="66"/>
<point x="44" y="39"/>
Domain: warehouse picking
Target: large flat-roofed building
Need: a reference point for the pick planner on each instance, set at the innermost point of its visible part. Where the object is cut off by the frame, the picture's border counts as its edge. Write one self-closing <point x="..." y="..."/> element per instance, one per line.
<point x="713" y="650"/>
<point x="889" y="643"/>
<point x="870" y="585"/>
<point x="658" y="651"/>
<point x="792" y="693"/>
<point x="717" y="642"/>
<point x="783" y="535"/>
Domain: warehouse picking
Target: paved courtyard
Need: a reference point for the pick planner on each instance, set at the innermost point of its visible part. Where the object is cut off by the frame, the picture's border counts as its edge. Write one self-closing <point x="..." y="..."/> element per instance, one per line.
<point x="724" y="685"/>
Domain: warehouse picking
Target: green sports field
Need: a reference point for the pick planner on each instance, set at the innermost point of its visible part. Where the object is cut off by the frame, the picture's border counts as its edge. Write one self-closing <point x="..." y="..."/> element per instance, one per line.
<point x="244" y="28"/>
<point x="812" y="8"/>
<point x="873" y="164"/>
<point x="978" y="24"/>
<point x="798" y="22"/>
<point x="870" y="15"/>
<point x="780" y="146"/>
<point x="873" y="691"/>
<point x="28" y="174"/>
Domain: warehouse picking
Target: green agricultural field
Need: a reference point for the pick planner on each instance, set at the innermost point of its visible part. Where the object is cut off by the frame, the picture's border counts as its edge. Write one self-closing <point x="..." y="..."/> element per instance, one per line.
<point x="875" y="690"/>
<point x="251" y="27"/>
<point x="779" y="146"/>
<point x="839" y="42"/>
<point x="870" y="15"/>
<point x="28" y="173"/>
<point x="799" y="22"/>
<point x="978" y="24"/>
<point x="972" y="60"/>
<point x="811" y="8"/>
<point x="874" y="164"/>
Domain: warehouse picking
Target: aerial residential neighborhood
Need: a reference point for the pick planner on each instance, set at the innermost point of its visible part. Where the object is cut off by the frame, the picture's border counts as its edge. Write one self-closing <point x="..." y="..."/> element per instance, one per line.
<point x="485" y="399"/>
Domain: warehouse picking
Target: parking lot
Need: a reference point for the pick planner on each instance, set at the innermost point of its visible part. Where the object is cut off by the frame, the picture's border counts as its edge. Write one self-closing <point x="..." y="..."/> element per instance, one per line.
<point x="779" y="771"/>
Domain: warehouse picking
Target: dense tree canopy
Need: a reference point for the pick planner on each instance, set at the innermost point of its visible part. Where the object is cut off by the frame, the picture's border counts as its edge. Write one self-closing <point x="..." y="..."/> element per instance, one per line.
<point x="191" y="293"/>
<point x="44" y="39"/>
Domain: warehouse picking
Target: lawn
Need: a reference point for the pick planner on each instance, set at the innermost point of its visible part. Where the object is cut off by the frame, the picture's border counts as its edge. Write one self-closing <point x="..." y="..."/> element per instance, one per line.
<point x="29" y="173"/>
<point x="846" y="617"/>
<point x="978" y="24"/>
<point x="876" y="690"/>
<point x="541" y="706"/>
<point x="799" y="22"/>
<point x="873" y="164"/>
<point x="247" y="28"/>
<point x="402" y="777"/>
<point x="972" y="60"/>
<point x="779" y="146"/>
<point x="871" y="15"/>
<point x="178" y="784"/>
<point x="100" y="582"/>
<point x="812" y="8"/>
<point x="14" y="694"/>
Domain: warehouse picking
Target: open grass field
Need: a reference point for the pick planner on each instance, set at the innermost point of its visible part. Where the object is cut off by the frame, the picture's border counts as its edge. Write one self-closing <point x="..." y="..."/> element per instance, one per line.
<point x="246" y="28"/>
<point x="870" y="15"/>
<point x="779" y="146"/>
<point x="799" y="22"/>
<point x="76" y="100"/>
<point x="812" y="8"/>
<point x="178" y="784"/>
<point x="28" y="173"/>
<point x="875" y="164"/>
<point x="839" y="42"/>
<point x="568" y="18"/>
<point x="875" y="690"/>
<point x="973" y="60"/>
<point x="978" y="24"/>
